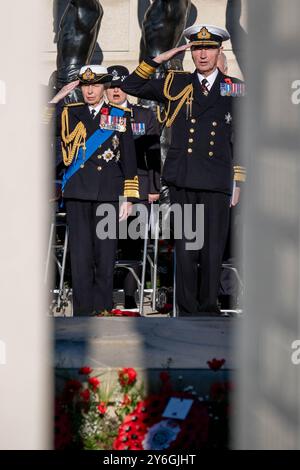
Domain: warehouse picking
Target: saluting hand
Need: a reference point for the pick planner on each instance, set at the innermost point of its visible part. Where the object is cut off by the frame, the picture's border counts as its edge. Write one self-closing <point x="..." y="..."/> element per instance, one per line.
<point x="64" y="91"/>
<point x="159" y="59"/>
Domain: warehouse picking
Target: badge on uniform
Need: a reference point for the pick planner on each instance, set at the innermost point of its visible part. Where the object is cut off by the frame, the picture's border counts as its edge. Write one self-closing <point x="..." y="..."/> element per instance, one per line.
<point x="115" y="142"/>
<point x="113" y="123"/>
<point x="228" y="88"/>
<point x="138" y="128"/>
<point x="228" y="118"/>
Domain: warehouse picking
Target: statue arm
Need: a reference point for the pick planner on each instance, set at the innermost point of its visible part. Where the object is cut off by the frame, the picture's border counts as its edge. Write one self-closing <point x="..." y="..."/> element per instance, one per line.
<point x="163" y="25"/>
<point x="78" y="34"/>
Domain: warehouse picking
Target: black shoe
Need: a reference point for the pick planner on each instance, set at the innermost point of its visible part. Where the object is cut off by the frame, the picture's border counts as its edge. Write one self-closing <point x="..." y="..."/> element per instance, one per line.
<point x="225" y="302"/>
<point x="83" y="315"/>
<point x="209" y="311"/>
<point x="129" y="302"/>
<point x="188" y="314"/>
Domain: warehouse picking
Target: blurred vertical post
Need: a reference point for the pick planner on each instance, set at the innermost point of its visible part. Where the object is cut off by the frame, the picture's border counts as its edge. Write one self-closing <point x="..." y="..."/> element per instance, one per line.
<point x="26" y="402"/>
<point x="268" y="378"/>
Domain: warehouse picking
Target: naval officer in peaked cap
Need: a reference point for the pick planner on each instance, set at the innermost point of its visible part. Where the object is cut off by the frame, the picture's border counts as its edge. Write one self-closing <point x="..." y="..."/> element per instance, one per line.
<point x="201" y="164"/>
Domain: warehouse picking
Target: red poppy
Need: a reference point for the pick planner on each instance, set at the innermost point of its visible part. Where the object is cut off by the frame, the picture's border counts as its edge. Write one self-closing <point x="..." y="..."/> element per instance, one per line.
<point x="120" y="445"/>
<point x="85" y="370"/>
<point x="127" y="376"/>
<point x="85" y="394"/>
<point x="164" y="376"/>
<point x="94" y="382"/>
<point x="102" y="408"/>
<point x="167" y="308"/>
<point x="63" y="428"/>
<point x="153" y="405"/>
<point x="104" y="111"/>
<point x="124" y="313"/>
<point x="228" y="81"/>
<point x="216" y="364"/>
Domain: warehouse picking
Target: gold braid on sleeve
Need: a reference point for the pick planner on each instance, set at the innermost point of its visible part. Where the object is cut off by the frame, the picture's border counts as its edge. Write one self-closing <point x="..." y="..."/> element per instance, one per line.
<point x="144" y="70"/>
<point x="185" y="96"/>
<point x="71" y="142"/>
<point x="239" y="173"/>
<point x="131" y="188"/>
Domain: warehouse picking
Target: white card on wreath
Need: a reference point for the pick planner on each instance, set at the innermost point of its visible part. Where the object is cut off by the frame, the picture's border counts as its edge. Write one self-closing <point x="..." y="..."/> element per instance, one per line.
<point x="178" y="408"/>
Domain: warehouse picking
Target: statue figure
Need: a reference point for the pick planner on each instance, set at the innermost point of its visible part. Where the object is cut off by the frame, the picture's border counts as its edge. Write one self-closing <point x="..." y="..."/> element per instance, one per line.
<point x="237" y="33"/>
<point x="163" y="26"/>
<point x="162" y="29"/>
<point x="77" y="37"/>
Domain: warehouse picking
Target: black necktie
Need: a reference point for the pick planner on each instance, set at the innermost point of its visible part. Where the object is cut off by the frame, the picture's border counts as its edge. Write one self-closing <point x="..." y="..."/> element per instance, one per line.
<point x="204" y="86"/>
<point x="93" y="113"/>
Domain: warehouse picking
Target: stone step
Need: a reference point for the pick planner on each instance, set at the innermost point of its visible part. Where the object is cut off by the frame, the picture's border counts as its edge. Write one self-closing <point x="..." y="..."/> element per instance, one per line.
<point x="143" y="343"/>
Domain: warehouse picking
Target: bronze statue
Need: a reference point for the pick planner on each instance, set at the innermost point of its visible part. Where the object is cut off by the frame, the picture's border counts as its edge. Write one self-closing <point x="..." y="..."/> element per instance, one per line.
<point x="237" y="33"/>
<point x="79" y="29"/>
<point x="163" y="26"/>
<point x="162" y="29"/>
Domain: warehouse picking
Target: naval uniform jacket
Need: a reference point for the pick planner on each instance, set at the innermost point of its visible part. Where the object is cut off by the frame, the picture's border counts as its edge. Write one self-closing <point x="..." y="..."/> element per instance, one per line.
<point x="201" y="152"/>
<point x="147" y="147"/>
<point x="111" y="168"/>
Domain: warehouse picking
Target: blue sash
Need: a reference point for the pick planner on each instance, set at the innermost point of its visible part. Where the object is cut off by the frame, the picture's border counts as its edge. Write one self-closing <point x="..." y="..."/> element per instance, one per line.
<point x="94" y="141"/>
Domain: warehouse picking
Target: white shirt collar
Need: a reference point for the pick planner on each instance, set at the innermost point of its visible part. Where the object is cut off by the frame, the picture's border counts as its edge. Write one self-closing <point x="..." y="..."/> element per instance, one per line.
<point x="97" y="108"/>
<point x="211" y="78"/>
<point x="124" y="105"/>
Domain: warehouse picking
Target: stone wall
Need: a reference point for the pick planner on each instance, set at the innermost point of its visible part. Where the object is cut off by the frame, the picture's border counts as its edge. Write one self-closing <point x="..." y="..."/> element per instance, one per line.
<point x="269" y="414"/>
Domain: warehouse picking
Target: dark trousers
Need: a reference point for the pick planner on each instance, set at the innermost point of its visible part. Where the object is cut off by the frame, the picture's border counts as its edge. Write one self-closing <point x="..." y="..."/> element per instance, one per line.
<point x="92" y="259"/>
<point x="198" y="271"/>
<point x="131" y="250"/>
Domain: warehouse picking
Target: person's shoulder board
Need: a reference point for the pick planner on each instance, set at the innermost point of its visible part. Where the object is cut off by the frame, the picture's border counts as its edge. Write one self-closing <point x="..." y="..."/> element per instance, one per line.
<point x="72" y="105"/>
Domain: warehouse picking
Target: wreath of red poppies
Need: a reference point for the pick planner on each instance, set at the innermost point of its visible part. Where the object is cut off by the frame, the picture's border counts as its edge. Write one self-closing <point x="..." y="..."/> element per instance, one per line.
<point x="193" y="430"/>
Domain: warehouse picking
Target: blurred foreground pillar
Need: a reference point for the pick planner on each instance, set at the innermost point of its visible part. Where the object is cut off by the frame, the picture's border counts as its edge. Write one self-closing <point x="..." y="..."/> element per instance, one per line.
<point x="268" y="399"/>
<point x="25" y="404"/>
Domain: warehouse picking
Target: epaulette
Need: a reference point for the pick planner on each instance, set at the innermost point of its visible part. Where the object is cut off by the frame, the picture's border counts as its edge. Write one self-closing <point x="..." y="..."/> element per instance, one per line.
<point x="70" y="105"/>
<point x="119" y="107"/>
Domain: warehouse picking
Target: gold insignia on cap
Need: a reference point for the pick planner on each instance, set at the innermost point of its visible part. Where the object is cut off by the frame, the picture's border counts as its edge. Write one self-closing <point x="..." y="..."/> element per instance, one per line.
<point x="88" y="75"/>
<point x="204" y="33"/>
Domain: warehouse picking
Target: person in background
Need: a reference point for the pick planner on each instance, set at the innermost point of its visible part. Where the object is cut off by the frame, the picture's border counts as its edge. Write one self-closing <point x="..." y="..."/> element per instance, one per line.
<point x="222" y="63"/>
<point x="147" y="147"/>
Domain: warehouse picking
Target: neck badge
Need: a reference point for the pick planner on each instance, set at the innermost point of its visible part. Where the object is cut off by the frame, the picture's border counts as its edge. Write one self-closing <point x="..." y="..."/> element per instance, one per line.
<point x="228" y="118"/>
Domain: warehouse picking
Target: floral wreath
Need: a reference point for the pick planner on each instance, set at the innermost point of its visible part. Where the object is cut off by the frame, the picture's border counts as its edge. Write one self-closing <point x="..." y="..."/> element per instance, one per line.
<point x="90" y="416"/>
<point x="145" y="428"/>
